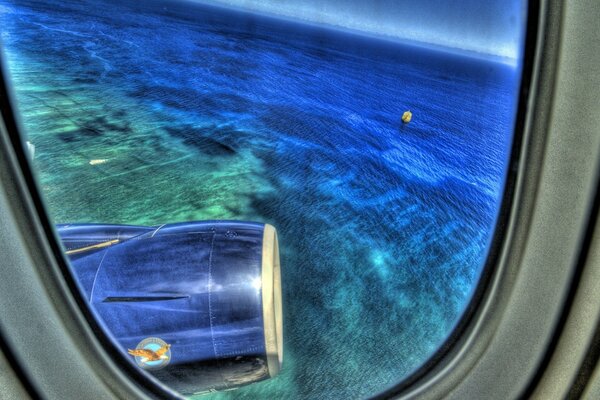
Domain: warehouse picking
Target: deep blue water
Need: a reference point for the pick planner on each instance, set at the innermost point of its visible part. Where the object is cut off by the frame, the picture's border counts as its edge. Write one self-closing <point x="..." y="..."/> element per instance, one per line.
<point x="196" y="113"/>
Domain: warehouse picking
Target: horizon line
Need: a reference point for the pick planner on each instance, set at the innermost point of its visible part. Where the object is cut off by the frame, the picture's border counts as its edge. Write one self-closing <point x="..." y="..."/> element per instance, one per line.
<point x="482" y="55"/>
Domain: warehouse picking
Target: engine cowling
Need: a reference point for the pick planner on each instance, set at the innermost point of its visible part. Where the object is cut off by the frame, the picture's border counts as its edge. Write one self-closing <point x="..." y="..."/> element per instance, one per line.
<point x="208" y="293"/>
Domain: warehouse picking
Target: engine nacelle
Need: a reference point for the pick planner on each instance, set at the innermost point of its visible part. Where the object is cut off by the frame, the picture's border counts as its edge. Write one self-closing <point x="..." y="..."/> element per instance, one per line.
<point x="204" y="297"/>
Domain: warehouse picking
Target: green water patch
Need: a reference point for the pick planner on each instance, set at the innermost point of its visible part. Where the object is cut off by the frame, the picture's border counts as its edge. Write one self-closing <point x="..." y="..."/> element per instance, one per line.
<point x="121" y="164"/>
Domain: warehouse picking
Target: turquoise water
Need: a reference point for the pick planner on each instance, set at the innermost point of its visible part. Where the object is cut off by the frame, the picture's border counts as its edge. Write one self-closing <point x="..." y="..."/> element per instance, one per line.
<point x="170" y="112"/>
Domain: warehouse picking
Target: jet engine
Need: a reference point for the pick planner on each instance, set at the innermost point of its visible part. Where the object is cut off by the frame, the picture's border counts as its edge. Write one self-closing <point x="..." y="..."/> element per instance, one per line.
<point x="197" y="304"/>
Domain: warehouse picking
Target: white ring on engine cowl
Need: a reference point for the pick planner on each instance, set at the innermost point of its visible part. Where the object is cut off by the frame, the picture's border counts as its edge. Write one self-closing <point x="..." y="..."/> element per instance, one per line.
<point x="271" y="300"/>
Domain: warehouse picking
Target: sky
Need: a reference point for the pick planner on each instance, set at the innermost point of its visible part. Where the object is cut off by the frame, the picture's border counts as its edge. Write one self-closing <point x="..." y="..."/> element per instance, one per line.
<point x="484" y="26"/>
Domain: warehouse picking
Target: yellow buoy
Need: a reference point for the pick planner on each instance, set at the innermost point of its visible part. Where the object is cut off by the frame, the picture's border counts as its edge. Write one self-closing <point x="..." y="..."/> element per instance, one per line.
<point x="406" y="117"/>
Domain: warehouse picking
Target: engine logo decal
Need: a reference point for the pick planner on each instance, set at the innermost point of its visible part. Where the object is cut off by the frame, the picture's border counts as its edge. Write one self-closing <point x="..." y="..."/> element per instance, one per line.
<point x="152" y="353"/>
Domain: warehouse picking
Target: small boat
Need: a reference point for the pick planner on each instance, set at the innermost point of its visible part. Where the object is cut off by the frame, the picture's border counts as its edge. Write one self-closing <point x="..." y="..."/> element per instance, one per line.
<point x="406" y="117"/>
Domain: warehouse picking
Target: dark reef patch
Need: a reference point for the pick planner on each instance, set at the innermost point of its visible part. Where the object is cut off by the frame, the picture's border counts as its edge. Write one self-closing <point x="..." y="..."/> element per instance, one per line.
<point x="93" y="128"/>
<point x="198" y="139"/>
<point x="102" y="124"/>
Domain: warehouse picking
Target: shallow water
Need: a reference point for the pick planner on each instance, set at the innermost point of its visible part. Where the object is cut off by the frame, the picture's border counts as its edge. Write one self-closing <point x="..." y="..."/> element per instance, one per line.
<point x="205" y="114"/>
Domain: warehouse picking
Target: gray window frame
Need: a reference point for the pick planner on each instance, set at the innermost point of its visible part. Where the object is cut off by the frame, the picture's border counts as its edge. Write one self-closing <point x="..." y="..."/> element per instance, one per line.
<point x="515" y="344"/>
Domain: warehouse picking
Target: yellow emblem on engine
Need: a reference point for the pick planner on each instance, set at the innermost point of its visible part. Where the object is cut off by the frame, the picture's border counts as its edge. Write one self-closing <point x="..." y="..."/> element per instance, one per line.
<point x="151" y="353"/>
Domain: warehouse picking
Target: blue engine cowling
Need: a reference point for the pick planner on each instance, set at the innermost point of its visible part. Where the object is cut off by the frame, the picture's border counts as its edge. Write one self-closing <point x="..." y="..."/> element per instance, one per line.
<point x="211" y="290"/>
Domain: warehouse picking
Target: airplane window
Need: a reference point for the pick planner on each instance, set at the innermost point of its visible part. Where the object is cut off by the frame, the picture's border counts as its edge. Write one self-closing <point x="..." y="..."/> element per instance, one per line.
<point x="299" y="190"/>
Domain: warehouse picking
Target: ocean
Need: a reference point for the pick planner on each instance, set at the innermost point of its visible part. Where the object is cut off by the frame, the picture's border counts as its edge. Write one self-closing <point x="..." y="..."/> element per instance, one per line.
<point x="160" y="112"/>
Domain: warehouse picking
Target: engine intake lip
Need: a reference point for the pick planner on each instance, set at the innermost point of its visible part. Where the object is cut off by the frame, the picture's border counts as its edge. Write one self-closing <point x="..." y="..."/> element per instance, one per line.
<point x="271" y="300"/>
